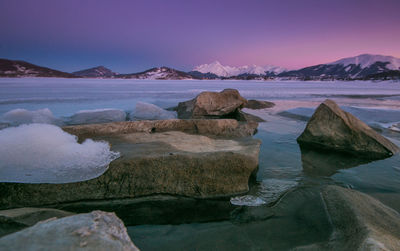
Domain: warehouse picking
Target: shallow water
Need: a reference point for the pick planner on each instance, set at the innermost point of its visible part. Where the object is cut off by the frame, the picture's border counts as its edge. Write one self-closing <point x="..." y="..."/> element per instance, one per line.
<point x="283" y="209"/>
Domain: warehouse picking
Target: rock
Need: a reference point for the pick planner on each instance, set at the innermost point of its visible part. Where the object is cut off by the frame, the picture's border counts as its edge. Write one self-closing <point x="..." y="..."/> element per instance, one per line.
<point x="174" y="163"/>
<point x="211" y="105"/>
<point x="96" y="116"/>
<point x="360" y="222"/>
<point x="16" y="219"/>
<point x="334" y="129"/>
<point x="159" y="209"/>
<point x="146" y="111"/>
<point x="243" y="116"/>
<point x="214" y="127"/>
<point x="21" y="116"/>
<point x="258" y="104"/>
<point x="92" y="231"/>
<point x="394" y="127"/>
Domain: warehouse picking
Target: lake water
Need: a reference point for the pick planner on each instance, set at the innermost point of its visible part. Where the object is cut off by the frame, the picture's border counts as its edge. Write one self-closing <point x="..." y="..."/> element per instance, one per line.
<point x="283" y="209"/>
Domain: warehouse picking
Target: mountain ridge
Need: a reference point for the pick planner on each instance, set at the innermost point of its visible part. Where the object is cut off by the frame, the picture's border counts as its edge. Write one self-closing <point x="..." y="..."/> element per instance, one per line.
<point x="361" y="67"/>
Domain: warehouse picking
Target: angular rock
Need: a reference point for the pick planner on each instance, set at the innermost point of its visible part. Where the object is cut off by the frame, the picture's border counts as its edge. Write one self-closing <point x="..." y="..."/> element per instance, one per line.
<point x="332" y="128"/>
<point x="214" y="127"/>
<point x="13" y="220"/>
<point x="360" y="222"/>
<point x="258" y="104"/>
<point x="92" y="231"/>
<point x="169" y="162"/>
<point x="211" y="105"/>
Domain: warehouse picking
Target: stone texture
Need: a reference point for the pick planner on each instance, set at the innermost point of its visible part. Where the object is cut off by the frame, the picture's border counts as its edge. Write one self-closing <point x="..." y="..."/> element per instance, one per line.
<point x="258" y="104"/>
<point x="213" y="127"/>
<point x="211" y="104"/>
<point x="93" y="231"/>
<point x="171" y="162"/>
<point x="360" y="222"/>
<point x="16" y="219"/>
<point x="332" y="128"/>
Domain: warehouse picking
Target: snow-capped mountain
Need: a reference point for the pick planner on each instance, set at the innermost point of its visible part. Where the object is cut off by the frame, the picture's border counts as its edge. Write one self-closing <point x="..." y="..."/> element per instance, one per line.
<point x="96" y="72"/>
<point x="359" y="67"/>
<point x="17" y="68"/>
<point x="158" y="73"/>
<point x="367" y="60"/>
<point x="228" y="71"/>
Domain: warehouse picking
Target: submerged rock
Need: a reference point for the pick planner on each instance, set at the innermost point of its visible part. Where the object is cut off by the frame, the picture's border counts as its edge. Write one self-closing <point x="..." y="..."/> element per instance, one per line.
<point x="13" y="220"/>
<point x="211" y="104"/>
<point x="146" y="111"/>
<point x="96" y="116"/>
<point x="258" y="104"/>
<point x="360" y="222"/>
<point x="92" y="231"/>
<point x="332" y="128"/>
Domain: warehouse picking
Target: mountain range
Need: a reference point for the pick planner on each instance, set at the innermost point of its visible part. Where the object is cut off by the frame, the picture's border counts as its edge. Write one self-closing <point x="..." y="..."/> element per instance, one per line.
<point x="362" y="67"/>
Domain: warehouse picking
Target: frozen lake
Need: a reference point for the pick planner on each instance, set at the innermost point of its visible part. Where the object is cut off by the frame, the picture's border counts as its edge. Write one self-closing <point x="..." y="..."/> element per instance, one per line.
<point x="282" y="165"/>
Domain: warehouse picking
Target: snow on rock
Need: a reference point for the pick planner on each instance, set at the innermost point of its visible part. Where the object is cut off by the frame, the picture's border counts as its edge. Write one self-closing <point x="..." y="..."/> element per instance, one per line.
<point x="41" y="153"/>
<point x="22" y="116"/>
<point x="366" y="60"/>
<point x="96" y="116"/>
<point x="146" y="111"/>
<point x="228" y="71"/>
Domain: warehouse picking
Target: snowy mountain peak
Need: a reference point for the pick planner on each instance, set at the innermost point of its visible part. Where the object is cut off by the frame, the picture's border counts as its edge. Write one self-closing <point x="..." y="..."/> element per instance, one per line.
<point x="228" y="71"/>
<point x="366" y="60"/>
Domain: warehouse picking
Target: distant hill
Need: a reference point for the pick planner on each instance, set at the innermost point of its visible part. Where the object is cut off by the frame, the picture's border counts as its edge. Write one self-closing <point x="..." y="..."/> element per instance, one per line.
<point x="359" y="67"/>
<point x="17" y="68"/>
<point x="96" y="72"/>
<point x="159" y="73"/>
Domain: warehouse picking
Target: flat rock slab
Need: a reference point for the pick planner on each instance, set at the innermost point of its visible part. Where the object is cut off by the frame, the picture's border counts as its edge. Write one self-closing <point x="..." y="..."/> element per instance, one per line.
<point x="332" y="128"/>
<point x="360" y="222"/>
<point x="228" y="128"/>
<point x="92" y="231"/>
<point x="174" y="163"/>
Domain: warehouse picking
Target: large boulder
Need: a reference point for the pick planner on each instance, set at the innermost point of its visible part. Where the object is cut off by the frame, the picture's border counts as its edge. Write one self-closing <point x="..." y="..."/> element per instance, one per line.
<point x="211" y="104"/>
<point x="332" y="128"/>
<point x="92" y="231"/>
<point x="171" y="162"/>
<point x="360" y="222"/>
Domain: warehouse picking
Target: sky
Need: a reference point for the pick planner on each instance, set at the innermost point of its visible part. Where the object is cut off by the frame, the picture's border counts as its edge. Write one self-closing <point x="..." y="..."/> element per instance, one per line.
<point x="134" y="35"/>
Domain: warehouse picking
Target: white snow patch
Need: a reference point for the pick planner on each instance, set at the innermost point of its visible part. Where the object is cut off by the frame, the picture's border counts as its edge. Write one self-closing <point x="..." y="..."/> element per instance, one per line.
<point x="22" y="116"/>
<point x="96" y="116"/>
<point x="41" y="153"/>
<point x="146" y="111"/>
<point x="247" y="200"/>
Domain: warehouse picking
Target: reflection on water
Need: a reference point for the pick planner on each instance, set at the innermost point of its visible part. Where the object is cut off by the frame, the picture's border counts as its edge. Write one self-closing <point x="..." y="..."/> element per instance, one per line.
<point x="326" y="163"/>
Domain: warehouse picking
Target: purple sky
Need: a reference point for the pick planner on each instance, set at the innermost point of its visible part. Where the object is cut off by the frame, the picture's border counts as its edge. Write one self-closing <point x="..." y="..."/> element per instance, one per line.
<point x="132" y="35"/>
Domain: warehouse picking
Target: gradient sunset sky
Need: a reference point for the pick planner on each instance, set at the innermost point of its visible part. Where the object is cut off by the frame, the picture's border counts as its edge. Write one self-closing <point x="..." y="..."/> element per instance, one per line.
<point x="131" y="35"/>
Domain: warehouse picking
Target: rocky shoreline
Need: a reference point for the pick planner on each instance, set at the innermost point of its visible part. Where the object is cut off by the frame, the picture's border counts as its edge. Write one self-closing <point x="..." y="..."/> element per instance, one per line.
<point x="185" y="170"/>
